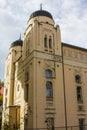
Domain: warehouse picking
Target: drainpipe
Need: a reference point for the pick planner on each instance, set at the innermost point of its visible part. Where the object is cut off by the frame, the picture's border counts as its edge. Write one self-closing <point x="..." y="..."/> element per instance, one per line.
<point x="64" y="89"/>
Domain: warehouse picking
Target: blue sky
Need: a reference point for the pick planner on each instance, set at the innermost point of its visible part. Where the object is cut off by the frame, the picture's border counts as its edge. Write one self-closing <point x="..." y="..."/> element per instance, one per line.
<point x="70" y="15"/>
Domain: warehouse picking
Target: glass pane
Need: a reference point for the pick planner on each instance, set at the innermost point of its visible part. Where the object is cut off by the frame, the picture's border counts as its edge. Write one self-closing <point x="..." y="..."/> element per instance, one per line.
<point x="50" y="43"/>
<point x="49" y="90"/>
<point x="78" y="79"/>
<point x="48" y="73"/>
<point x="82" y="124"/>
<point x="79" y="94"/>
<point x="26" y="92"/>
<point x="45" y="41"/>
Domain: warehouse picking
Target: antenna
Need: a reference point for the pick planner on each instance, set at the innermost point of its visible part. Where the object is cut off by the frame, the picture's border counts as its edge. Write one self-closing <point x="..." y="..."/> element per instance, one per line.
<point x="41" y="6"/>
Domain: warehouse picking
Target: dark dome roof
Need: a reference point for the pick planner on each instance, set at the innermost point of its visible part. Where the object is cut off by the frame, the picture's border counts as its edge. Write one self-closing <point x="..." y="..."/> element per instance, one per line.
<point x="41" y="13"/>
<point x="17" y="43"/>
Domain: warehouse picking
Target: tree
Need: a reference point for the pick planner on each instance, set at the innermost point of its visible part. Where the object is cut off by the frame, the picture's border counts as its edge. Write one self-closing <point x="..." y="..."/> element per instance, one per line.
<point x="1" y="83"/>
<point x="6" y="124"/>
<point x="9" y="124"/>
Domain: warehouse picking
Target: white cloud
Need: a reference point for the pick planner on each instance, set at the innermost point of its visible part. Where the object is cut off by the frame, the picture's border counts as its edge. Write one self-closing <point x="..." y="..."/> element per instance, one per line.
<point x="71" y="15"/>
<point x="2" y="3"/>
<point x="72" y="20"/>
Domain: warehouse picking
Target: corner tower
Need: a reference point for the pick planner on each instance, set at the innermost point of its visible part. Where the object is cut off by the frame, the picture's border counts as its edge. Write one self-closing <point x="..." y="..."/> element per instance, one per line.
<point x="15" y="52"/>
<point x="43" y="62"/>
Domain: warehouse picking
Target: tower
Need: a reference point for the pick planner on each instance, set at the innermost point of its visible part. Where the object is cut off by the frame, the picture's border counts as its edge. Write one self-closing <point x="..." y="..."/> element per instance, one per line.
<point x="43" y="72"/>
<point x="15" y="53"/>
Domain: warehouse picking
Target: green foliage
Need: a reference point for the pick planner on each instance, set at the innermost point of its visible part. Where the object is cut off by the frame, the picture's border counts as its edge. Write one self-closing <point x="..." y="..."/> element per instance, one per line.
<point x="6" y="126"/>
<point x="1" y="83"/>
<point x="9" y="125"/>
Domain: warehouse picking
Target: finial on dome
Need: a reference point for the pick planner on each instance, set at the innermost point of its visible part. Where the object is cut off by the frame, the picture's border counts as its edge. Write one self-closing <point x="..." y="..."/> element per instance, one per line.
<point x="41" y="6"/>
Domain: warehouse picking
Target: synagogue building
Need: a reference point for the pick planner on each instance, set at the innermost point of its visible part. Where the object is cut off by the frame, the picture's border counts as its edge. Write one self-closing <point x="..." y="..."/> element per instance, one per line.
<point x="45" y="79"/>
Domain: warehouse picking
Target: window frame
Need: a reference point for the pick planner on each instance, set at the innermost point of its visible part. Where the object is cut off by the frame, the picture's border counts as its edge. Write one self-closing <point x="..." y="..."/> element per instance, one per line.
<point x="50" y="42"/>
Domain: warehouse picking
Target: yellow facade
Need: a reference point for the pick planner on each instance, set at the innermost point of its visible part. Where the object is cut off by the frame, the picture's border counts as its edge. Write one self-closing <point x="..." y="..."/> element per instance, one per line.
<point x="45" y="79"/>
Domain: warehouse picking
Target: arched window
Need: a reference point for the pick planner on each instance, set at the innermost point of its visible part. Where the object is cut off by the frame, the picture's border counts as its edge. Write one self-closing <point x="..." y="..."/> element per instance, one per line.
<point x="49" y="89"/>
<point x="45" y="41"/>
<point x="48" y="73"/>
<point x="78" y="79"/>
<point x="50" y="43"/>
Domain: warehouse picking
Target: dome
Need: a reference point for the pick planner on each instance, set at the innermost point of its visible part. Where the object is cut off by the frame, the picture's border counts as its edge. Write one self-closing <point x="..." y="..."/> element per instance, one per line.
<point x="41" y="13"/>
<point x="17" y="43"/>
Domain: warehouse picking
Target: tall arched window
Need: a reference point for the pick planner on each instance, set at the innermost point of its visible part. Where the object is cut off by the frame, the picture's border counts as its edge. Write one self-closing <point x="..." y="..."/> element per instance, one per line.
<point x="49" y="89"/>
<point x="45" y="41"/>
<point x="48" y="73"/>
<point x="50" y="43"/>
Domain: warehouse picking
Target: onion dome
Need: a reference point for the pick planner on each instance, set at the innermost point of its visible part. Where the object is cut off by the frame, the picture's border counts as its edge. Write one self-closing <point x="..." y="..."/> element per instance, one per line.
<point x="41" y="13"/>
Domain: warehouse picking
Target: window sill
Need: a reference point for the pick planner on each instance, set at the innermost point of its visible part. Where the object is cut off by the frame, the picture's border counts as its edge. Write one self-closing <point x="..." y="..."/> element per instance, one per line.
<point x="49" y="99"/>
<point x="45" y="49"/>
<point x="80" y="102"/>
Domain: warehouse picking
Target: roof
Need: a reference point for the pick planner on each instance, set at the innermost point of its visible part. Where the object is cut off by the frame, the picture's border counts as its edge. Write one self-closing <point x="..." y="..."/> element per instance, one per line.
<point x="17" y="43"/>
<point x="41" y="13"/>
<point x="75" y="47"/>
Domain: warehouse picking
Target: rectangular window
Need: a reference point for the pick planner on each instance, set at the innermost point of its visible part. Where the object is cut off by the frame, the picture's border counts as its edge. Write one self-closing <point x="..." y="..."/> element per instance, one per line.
<point x="81" y="124"/>
<point x="49" y="89"/>
<point x="26" y="92"/>
<point x="79" y="95"/>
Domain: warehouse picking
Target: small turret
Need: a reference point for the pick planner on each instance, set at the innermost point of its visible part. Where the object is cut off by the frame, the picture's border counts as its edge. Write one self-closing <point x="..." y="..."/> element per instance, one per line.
<point x="17" y="43"/>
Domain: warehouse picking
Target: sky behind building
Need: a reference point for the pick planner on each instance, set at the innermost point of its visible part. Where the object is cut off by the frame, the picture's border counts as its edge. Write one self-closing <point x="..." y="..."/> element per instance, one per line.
<point x="70" y="15"/>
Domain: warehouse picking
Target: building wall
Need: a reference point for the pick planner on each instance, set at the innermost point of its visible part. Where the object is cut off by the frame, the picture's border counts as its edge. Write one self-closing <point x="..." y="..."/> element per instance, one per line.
<point x="26" y="79"/>
<point x="75" y="64"/>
